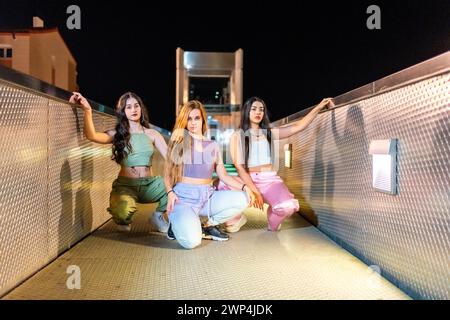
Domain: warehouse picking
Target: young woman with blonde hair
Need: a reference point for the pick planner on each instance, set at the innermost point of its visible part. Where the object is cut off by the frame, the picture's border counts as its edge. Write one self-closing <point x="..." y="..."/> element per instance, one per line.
<point x="191" y="160"/>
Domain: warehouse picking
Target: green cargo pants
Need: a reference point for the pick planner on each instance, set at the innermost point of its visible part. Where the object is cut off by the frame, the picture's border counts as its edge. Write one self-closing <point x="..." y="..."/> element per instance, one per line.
<point x="127" y="192"/>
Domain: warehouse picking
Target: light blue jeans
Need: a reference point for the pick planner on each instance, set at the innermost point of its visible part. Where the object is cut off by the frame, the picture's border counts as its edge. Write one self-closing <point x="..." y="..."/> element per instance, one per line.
<point x="202" y="200"/>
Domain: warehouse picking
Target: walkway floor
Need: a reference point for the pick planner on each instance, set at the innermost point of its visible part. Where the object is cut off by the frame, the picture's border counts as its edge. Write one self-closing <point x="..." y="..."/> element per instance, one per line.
<point x="299" y="262"/>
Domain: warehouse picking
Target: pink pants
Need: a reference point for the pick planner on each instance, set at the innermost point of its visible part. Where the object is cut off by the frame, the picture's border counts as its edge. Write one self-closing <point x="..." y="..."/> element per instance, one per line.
<point x="282" y="203"/>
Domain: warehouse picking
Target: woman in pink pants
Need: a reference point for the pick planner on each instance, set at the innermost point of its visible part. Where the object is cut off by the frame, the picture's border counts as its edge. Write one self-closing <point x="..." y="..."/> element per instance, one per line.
<point x="251" y="154"/>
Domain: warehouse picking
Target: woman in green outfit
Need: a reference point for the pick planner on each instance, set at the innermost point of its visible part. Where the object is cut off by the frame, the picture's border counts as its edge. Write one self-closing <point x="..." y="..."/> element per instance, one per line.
<point x="133" y="144"/>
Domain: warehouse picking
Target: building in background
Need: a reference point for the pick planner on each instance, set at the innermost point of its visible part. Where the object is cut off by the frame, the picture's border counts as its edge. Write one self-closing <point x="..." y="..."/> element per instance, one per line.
<point x="215" y="79"/>
<point x="40" y="52"/>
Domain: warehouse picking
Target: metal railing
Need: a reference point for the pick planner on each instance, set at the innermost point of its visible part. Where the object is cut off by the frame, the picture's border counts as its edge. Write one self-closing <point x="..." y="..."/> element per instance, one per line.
<point x="404" y="236"/>
<point x="427" y="69"/>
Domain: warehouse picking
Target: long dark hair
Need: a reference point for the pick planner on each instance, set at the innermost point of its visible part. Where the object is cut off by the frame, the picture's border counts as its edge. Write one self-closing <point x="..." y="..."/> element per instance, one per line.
<point x="245" y="124"/>
<point x="122" y="137"/>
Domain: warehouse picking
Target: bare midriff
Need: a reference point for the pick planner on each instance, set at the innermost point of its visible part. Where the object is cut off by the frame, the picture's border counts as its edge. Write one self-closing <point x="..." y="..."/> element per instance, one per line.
<point x="195" y="180"/>
<point x="136" y="172"/>
<point x="262" y="168"/>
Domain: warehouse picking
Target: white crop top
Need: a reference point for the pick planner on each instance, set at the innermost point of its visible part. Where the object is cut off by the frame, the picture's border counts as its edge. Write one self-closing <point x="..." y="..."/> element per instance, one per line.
<point x="259" y="153"/>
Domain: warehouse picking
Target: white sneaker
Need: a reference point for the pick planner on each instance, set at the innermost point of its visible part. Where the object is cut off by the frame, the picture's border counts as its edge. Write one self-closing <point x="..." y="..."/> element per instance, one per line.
<point x="123" y="227"/>
<point x="237" y="226"/>
<point x="157" y="219"/>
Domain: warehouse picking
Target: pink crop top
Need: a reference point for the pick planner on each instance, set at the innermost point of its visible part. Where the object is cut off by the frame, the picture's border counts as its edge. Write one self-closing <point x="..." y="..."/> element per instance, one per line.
<point x="202" y="164"/>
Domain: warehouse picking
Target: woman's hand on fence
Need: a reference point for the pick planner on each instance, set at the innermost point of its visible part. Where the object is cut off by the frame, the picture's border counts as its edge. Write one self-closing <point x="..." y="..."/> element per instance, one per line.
<point x="78" y="98"/>
<point x="326" y="103"/>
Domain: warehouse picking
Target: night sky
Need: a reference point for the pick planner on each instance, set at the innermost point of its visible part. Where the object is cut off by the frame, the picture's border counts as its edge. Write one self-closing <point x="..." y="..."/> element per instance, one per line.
<point x="294" y="54"/>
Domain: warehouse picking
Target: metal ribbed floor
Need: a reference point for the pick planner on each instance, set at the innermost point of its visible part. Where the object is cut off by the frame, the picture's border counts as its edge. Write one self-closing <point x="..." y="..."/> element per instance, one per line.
<point x="299" y="262"/>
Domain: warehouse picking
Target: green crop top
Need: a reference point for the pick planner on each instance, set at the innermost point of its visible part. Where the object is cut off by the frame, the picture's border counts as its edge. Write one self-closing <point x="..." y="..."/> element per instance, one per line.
<point x="142" y="153"/>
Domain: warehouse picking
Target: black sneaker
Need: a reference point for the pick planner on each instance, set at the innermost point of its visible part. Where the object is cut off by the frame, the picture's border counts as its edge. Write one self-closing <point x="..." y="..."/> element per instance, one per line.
<point x="213" y="233"/>
<point x="170" y="234"/>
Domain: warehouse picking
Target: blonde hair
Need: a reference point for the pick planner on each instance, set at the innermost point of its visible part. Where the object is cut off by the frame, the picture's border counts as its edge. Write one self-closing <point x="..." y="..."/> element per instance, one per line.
<point x="180" y="141"/>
